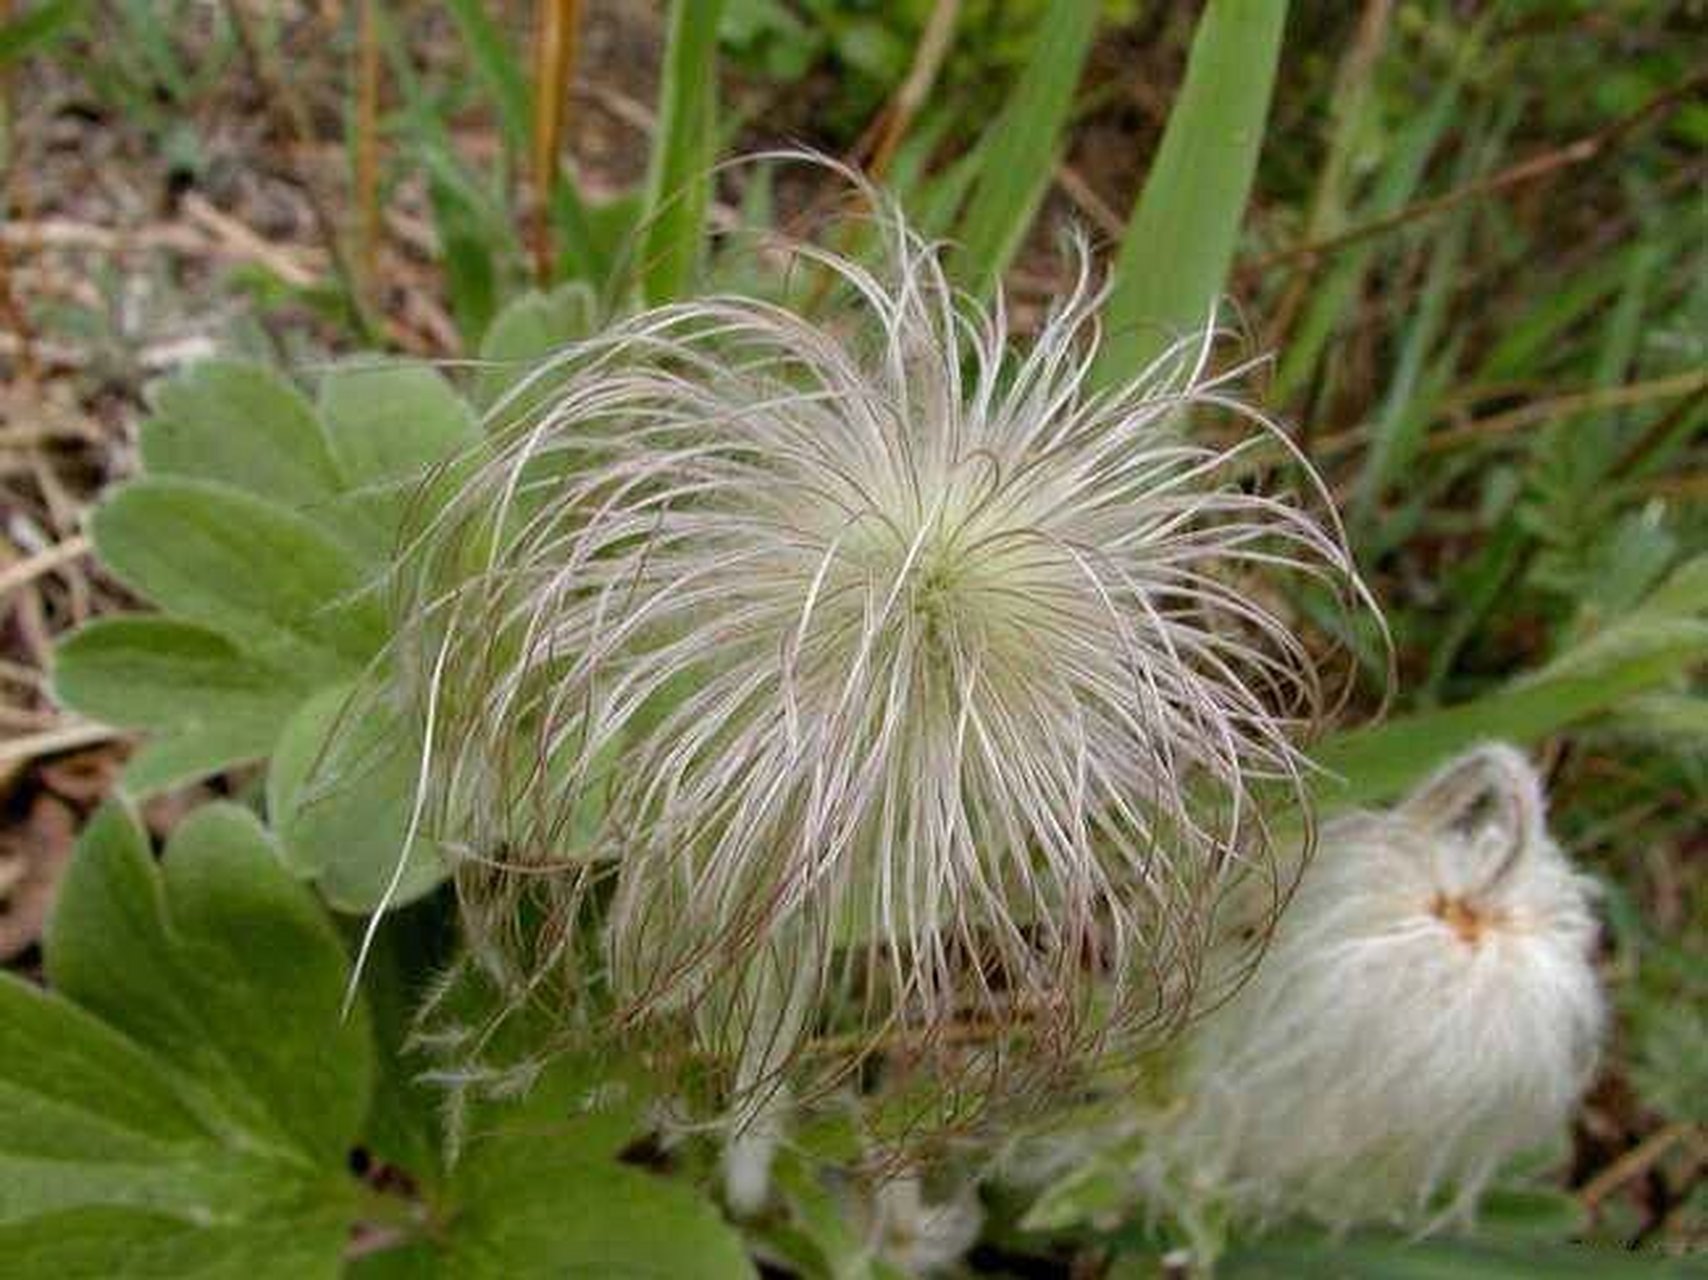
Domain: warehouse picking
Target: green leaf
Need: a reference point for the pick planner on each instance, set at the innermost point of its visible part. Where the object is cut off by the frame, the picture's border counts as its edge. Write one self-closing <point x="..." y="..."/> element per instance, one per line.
<point x="818" y="1237"/>
<point x="1680" y="719"/>
<point x="530" y="327"/>
<point x="595" y="238"/>
<point x="340" y="793"/>
<point x="1333" y="295"/>
<point x="1100" y="1186"/>
<point x="679" y="181"/>
<point x="242" y="424"/>
<point x="1421" y="369"/>
<point x="219" y="961"/>
<point x="497" y="64"/>
<point x="1369" y="764"/>
<point x="390" y="422"/>
<point x="211" y="705"/>
<point x="509" y="1071"/>
<point x="390" y="425"/>
<point x="535" y="1187"/>
<point x="32" y="29"/>
<point x="1027" y="136"/>
<point x="1526" y="342"/>
<point x="535" y="1204"/>
<point x="1174" y="257"/>
<point x="532" y="1205"/>
<point x="412" y="948"/>
<point x="186" y="1102"/>
<point x="467" y="250"/>
<point x="1519" y="1214"/>
<point x="1377" y="1258"/>
<point x="1671" y="616"/>
<point x="266" y="578"/>
<point x="1670" y="1062"/>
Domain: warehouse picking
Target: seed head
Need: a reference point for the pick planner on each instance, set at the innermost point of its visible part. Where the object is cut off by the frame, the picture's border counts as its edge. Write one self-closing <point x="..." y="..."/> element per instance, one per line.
<point x="1428" y="1010"/>
<point x="862" y="681"/>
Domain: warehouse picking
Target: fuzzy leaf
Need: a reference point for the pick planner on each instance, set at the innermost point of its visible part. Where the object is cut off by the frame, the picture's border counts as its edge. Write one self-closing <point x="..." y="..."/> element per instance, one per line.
<point x="532" y="1205"/>
<point x="390" y="422"/>
<point x="208" y="704"/>
<point x="264" y="577"/>
<point x="339" y="792"/>
<point x="243" y="424"/>
<point x="532" y="326"/>
<point x="390" y="425"/>
<point x="185" y="1103"/>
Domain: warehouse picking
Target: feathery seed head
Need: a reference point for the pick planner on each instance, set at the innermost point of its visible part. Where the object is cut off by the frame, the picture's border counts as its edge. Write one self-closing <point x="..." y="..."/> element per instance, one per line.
<point x="1428" y="1009"/>
<point x="864" y="682"/>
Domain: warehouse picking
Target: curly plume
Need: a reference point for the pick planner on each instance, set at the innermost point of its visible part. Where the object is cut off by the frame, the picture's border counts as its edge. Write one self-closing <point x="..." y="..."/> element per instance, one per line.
<point x="868" y="682"/>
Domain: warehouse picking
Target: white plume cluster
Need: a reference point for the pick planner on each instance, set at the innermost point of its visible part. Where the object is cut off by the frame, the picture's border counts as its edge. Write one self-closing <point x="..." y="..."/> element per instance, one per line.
<point x="860" y="681"/>
<point x="918" y="1237"/>
<point x="1428" y="1010"/>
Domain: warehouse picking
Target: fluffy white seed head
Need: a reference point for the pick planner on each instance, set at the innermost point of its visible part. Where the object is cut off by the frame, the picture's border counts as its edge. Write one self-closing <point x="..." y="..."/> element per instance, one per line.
<point x="1429" y="1009"/>
<point x="918" y="1237"/>
<point x="861" y="682"/>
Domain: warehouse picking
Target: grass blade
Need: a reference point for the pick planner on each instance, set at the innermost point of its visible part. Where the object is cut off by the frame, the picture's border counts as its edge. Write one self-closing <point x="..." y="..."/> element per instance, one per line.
<point x="1380" y="762"/>
<point x="679" y="182"/>
<point x="22" y="35"/>
<point x="1659" y="640"/>
<point x="1174" y="258"/>
<point x="1339" y="289"/>
<point x="1420" y="374"/>
<point x="1024" y="144"/>
<point x="499" y="67"/>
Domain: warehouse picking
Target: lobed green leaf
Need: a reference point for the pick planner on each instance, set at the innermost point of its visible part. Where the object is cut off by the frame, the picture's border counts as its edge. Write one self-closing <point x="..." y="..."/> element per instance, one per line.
<point x="269" y="579"/>
<point x="390" y="424"/>
<point x="532" y="326"/>
<point x="244" y="425"/>
<point x="184" y="1104"/>
<point x="340" y="793"/>
<point x="210" y="705"/>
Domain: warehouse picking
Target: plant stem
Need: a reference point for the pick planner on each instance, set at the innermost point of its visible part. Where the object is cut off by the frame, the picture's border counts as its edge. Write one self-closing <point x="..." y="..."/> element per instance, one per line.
<point x="554" y="62"/>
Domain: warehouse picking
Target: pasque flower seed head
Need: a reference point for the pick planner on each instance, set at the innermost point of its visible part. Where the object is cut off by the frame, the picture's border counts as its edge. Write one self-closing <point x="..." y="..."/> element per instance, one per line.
<point x="864" y="679"/>
<point x="1429" y="1009"/>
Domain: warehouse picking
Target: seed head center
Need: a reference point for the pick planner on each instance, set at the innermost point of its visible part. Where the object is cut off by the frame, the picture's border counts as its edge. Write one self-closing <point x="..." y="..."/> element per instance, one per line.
<point x="1468" y="920"/>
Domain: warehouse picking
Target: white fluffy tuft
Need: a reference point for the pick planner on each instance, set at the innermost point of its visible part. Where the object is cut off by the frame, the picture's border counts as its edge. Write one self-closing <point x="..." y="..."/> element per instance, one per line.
<point x="918" y="1237"/>
<point x="1428" y="1010"/>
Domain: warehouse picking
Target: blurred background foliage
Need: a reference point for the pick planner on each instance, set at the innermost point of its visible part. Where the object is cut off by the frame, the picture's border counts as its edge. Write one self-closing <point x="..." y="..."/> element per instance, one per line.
<point x="1477" y="247"/>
